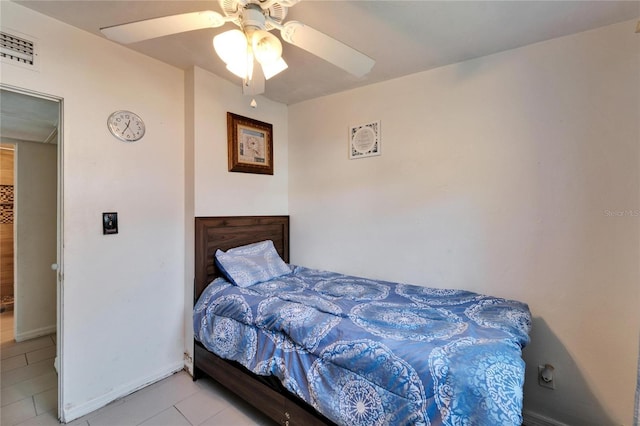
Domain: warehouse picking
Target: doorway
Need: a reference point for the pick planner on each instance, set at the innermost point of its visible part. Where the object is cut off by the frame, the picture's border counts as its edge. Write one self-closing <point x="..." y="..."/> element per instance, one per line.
<point x="30" y="131"/>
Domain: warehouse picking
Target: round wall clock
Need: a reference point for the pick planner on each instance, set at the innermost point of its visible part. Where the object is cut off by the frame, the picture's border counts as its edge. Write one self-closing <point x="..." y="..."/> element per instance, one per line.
<point x="126" y="126"/>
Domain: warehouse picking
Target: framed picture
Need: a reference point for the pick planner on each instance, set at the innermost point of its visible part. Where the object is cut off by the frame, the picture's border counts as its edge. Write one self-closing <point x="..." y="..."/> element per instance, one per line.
<point x="364" y="140"/>
<point x="250" y="145"/>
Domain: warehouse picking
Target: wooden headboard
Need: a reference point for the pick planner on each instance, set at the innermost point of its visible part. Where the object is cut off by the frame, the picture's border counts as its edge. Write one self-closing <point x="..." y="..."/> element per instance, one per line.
<point x="213" y="233"/>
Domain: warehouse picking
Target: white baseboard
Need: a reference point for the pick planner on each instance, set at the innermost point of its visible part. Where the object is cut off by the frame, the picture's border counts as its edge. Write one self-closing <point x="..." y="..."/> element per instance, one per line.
<point x="78" y="411"/>
<point x="32" y="334"/>
<point x="529" y="418"/>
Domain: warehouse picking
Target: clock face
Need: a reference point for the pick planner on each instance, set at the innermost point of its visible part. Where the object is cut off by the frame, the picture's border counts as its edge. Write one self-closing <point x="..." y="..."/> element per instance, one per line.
<point x="126" y="125"/>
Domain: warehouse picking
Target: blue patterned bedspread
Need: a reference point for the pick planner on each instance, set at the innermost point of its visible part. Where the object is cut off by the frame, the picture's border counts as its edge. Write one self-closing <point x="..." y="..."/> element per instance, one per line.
<point x="366" y="352"/>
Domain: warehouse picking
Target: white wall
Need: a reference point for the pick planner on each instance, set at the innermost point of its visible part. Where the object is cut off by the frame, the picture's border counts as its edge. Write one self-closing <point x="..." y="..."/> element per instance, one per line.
<point x="216" y="191"/>
<point x="496" y="175"/>
<point x="123" y="295"/>
<point x="36" y="240"/>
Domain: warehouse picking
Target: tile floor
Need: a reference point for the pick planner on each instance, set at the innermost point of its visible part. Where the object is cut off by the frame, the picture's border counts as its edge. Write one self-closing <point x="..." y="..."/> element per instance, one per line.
<point x="29" y="394"/>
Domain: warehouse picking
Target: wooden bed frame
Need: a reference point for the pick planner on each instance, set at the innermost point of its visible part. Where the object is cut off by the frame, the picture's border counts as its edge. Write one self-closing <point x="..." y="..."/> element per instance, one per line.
<point x="264" y="393"/>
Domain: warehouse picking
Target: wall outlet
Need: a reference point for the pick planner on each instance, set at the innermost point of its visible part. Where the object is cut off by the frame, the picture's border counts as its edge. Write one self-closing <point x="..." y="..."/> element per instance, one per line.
<point x="546" y="377"/>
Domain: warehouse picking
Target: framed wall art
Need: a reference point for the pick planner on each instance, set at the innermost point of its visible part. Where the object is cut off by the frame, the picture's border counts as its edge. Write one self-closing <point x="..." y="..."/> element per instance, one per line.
<point x="250" y="145"/>
<point x="364" y="140"/>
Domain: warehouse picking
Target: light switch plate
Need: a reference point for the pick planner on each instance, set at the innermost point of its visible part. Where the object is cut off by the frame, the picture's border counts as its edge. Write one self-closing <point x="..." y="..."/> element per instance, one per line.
<point x="110" y="223"/>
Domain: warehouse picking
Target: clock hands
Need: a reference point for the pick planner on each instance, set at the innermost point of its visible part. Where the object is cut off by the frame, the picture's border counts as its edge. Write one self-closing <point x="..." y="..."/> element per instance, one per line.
<point x="125" y="125"/>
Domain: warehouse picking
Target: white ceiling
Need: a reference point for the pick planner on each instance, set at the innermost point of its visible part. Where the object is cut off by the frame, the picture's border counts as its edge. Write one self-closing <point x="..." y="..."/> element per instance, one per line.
<point x="404" y="37"/>
<point x="28" y="118"/>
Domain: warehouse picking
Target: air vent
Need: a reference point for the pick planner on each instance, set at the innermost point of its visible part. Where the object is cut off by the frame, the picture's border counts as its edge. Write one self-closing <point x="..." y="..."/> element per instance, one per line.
<point x="17" y="49"/>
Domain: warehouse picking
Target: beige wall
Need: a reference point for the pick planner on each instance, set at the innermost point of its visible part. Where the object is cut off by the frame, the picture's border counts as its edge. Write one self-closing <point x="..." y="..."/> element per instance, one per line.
<point x="516" y="175"/>
<point x="218" y="191"/>
<point x="214" y="191"/>
<point x="36" y="240"/>
<point x="122" y="295"/>
<point x="495" y="176"/>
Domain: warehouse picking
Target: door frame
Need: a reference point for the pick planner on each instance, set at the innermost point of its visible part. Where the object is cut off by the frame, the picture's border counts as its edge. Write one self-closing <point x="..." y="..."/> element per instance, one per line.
<point x="59" y="233"/>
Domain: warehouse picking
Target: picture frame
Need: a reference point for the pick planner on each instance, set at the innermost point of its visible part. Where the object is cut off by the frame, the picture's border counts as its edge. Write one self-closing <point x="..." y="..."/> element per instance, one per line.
<point x="364" y="140"/>
<point x="250" y="145"/>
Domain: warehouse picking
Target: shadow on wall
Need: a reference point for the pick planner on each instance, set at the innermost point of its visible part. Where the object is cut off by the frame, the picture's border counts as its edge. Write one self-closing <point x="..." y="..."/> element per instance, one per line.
<point x="571" y="402"/>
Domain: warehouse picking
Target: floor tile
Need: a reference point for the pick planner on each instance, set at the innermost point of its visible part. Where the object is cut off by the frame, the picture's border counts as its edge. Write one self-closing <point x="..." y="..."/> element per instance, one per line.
<point x="78" y="422"/>
<point x="181" y="378"/>
<point x="88" y="417"/>
<point x="147" y="402"/>
<point x="234" y="401"/>
<point x="46" y="401"/>
<point x="10" y="349"/>
<point x="13" y="362"/>
<point x="28" y="372"/>
<point x="169" y="417"/>
<point x="28" y="388"/>
<point x="41" y="354"/>
<point x="201" y="406"/>
<point x="47" y="419"/>
<point x="231" y="416"/>
<point x="17" y="412"/>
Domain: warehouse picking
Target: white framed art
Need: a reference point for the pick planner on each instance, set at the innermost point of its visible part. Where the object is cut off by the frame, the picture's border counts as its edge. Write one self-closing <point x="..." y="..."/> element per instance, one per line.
<point x="364" y="140"/>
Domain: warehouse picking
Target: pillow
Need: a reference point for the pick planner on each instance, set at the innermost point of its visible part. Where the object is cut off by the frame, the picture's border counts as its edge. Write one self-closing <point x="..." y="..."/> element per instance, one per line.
<point x="251" y="264"/>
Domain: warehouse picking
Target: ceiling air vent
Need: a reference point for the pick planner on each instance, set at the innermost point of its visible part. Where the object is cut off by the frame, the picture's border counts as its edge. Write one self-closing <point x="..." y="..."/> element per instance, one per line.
<point x="17" y="49"/>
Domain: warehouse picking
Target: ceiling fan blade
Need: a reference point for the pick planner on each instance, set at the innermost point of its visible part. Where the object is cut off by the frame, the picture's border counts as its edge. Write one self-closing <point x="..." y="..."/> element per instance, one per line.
<point x="327" y="48"/>
<point x="167" y="25"/>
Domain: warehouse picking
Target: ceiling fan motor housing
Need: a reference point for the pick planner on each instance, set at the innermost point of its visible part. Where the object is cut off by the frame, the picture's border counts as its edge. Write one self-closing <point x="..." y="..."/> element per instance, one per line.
<point x="249" y="10"/>
<point x="252" y="18"/>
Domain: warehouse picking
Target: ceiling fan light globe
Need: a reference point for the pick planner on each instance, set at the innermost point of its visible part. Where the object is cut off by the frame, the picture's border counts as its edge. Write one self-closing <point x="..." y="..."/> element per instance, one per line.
<point x="274" y="68"/>
<point x="240" y="71"/>
<point x="266" y="47"/>
<point x="231" y="46"/>
<point x="242" y="67"/>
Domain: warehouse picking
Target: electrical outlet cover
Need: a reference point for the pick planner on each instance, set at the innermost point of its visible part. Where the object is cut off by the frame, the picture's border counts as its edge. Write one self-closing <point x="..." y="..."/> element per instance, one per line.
<point x="544" y="384"/>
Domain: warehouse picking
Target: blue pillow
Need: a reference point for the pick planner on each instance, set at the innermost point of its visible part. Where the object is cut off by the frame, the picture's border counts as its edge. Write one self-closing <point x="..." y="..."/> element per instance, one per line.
<point x="251" y="264"/>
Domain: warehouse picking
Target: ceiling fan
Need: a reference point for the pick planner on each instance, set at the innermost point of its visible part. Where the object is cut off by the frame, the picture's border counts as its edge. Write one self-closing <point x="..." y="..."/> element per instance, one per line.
<point x="242" y="50"/>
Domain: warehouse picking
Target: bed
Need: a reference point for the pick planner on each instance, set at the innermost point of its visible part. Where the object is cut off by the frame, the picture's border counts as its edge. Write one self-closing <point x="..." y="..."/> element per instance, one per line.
<point x="316" y="347"/>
